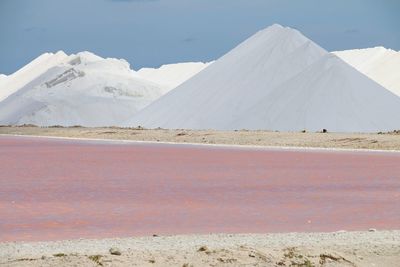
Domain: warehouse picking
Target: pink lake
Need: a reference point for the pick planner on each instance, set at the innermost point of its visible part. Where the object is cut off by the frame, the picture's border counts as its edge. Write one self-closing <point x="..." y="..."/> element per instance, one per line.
<point x="52" y="189"/>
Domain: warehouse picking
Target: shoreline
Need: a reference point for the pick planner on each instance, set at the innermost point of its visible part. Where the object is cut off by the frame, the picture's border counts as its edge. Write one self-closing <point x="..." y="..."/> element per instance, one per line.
<point x="341" y="248"/>
<point x="389" y="142"/>
<point x="233" y="146"/>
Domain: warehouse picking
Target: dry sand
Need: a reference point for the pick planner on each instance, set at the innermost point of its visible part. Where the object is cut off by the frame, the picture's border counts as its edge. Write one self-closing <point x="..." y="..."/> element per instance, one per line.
<point x="381" y="248"/>
<point x="384" y="141"/>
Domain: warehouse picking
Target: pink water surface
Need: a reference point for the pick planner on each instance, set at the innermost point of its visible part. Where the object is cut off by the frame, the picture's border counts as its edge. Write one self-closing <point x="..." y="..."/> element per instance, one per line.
<point x="61" y="189"/>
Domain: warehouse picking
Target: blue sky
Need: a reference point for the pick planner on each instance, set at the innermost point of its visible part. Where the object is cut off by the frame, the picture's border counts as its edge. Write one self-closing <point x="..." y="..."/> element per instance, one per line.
<point x="155" y="32"/>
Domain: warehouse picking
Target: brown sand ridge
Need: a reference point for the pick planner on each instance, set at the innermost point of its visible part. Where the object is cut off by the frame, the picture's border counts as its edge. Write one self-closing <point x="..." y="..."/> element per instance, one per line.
<point x="380" y="141"/>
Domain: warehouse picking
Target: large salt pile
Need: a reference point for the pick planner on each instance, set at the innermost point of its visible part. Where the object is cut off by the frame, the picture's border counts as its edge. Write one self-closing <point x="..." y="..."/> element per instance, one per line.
<point x="82" y="89"/>
<point x="276" y="80"/>
<point x="378" y="63"/>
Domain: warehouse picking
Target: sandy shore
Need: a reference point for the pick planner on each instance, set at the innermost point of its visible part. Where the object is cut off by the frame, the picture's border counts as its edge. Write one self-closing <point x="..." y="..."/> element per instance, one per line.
<point x="387" y="141"/>
<point x="381" y="248"/>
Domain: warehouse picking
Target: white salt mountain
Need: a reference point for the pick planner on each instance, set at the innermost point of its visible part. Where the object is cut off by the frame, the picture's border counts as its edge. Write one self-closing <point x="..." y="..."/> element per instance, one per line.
<point x="276" y="80"/>
<point x="82" y="89"/>
<point x="171" y="75"/>
<point x="30" y="71"/>
<point x="380" y="64"/>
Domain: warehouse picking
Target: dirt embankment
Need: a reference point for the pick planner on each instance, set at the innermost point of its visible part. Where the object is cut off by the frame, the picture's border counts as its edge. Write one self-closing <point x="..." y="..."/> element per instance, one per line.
<point x="383" y="141"/>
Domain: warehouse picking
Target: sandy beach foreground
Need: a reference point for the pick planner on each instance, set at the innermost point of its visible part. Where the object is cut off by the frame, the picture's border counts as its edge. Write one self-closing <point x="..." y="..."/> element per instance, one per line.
<point x="368" y="248"/>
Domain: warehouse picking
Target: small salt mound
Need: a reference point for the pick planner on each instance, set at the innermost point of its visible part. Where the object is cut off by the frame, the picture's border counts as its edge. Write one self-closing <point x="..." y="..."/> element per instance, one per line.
<point x="3" y="79"/>
<point x="380" y="64"/>
<point x="172" y="75"/>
